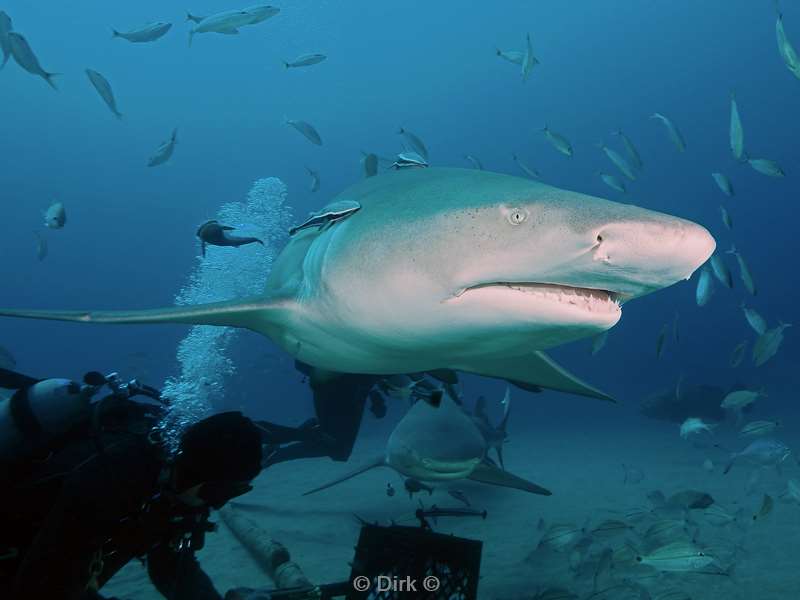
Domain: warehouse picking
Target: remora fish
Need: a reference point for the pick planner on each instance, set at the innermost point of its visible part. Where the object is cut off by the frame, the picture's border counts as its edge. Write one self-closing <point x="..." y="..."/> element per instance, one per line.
<point x="415" y="142"/>
<point x="305" y="60"/>
<point x="25" y="58"/>
<point x="103" y="88"/>
<point x="768" y="343"/>
<point x="164" y="152"/>
<point x="736" y="132"/>
<point x="744" y="271"/>
<point x="148" y="33"/>
<point x="306" y="129"/>
<point x="558" y="141"/>
<point x="723" y="183"/>
<point x="619" y="161"/>
<point x="630" y="149"/>
<point x="672" y="131"/>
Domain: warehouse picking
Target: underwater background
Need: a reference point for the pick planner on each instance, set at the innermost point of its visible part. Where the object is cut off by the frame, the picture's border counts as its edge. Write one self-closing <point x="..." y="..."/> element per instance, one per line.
<point x="430" y="67"/>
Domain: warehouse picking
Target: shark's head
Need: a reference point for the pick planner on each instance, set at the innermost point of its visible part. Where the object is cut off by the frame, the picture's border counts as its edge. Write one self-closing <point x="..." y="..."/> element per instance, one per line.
<point x="469" y="256"/>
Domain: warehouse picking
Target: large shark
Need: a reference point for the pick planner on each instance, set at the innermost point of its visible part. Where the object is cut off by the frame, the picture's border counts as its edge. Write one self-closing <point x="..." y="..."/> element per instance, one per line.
<point x="452" y="269"/>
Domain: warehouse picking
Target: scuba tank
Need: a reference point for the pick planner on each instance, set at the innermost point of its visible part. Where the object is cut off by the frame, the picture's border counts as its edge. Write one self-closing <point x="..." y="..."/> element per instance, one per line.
<point x="38" y="414"/>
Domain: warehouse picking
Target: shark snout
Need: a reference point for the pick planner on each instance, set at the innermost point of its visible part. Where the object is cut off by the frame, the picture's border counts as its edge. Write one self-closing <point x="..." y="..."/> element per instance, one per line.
<point x="644" y="256"/>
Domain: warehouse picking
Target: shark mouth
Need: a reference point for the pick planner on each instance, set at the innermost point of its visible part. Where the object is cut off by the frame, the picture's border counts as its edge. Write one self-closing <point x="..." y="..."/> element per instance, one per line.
<point x="590" y="299"/>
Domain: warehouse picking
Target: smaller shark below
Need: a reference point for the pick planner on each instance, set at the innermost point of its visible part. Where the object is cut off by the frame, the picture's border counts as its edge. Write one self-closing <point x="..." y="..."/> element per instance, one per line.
<point x="437" y="441"/>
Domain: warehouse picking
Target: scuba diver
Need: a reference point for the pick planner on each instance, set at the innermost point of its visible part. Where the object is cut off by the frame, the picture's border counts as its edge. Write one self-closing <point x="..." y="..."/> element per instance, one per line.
<point x="88" y="485"/>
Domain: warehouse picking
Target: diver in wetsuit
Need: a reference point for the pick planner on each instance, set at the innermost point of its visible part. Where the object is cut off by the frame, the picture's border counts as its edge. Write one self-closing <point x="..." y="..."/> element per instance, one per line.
<point x="82" y="496"/>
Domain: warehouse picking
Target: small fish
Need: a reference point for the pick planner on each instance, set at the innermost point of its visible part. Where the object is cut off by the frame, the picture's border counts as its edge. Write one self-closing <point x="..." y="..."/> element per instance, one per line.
<point x="766" y="507"/>
<point x="164" y="152"/>
<point x="610" y="528"/>
<point x="528" y="60"/>
<point x="677" y="557"/>
<point x="726" y="218"/>
<point x="723" y="183"/>
<point x="613" y="182"/>
<point x="370" y="164"/>
<point x="305" y="60"/>
<point x="738" y="399"/>
<point x="744" y="271"/>
<point x="55" y="217"/>
<point x="25" y="58"/>
<point x="314" y="179"/>
<point x="513" y="56"/>
<point x="721" y="271"/>
<point x="559" y="537"/>
<point x="475" y="162"/>
<point x="306" y="129"/>
<point x="632" y="474"/>
<point x="532" y="173"/>
<point x="7" y="360"/>
<point x="705" y="287"/>
<point x="414" y="486"/>
<point x="764" y="452"/>
<point x="41" y="246"/>
<point x="630" y="149"/>
<point x="768" y="344"/>
<point x="785" y="48"/>
<point x="736" y="132"/>
<point x="619" y="161"/>
<point x="148" y="33"/>
<point x="672" y="131"/>
<point x="738" y="354"/>
<point x="708" y="465"/>
<point x="103" y="88"/>
<point x="719" y="515"/>
<point x="558" y="141"/>
<point x="765" y="166"/>
<point x="417" y="145"/>
<point x="460" y="496"/>
<point x="229" y="22"/>
<point x="755" y="428"/>
<point x="665" y="531"/>
<point x="390" y="491"/>
<point x="6" y="27"/>
<point x="599" y="342"/>
<point x="693" y="425"/>
<point x="662" y="337"/>
<point x="756" y="321"/>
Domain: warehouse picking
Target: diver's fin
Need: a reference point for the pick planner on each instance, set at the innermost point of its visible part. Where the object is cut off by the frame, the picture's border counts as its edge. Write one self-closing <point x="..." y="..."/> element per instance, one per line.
<point x="536" y="369"/>
<point x="378" y="462"/>
<point x="257" y="313"/>
<point x="486" y="473"/>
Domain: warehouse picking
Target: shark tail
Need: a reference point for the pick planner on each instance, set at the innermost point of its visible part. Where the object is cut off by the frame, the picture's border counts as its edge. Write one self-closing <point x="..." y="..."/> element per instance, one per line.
<point x="377" y="462"/>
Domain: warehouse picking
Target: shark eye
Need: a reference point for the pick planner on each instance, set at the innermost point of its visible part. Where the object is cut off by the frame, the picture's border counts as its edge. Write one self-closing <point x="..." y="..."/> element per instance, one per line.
<point x="517" y="216"/>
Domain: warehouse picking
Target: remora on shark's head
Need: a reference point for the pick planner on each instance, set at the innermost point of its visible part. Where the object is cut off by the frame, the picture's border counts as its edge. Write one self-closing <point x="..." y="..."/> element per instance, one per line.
<point x="452" y="268"/>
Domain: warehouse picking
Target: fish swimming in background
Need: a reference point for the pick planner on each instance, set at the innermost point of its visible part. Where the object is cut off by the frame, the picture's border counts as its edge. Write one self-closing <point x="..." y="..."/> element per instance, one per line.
<point x="693" y="426"/>
<point x="672" y="131"/>
<point x="705" y="287"/>
<point x="513" y="56"/>
<point x="723" y="183"/>
<point x="103" y="88"/>
<point x="737" y="400"/>
<point x="25" y="58"/>
<point x="755" y="428"/>
<point x="660" y="340"/>
<point x="677" y="557"/>
<point x="305" y="60"/>
<point x="599" y="342"/>
<point x="6" y="27"/>
<point x="736" y="132"/>
<point x="768" y="344"/>
<point x="475" y="162"/>
<point x="756" y="321"/>
<point x="612" y="181"/>
<point x="744" y="271"/>
<point x="558" y="141"/>
<point x="633" y="153"/>
<point x="55" y="217"/>
<point x="532" y="173"/>
<point x="314" y="179"/>
<point x="148" y="33"/>
<point x="528" y="60"/>
<point x="785" y="48"/>
<point x="370" y="164"/>
<point x="417" y="145"/>
<point x="229" y="22"/>
<point x="726" y="218"/>
<point x="721" y="271"/>
<point x="41" y="246"/>
<point x="764" y="452"/>
<point x="164" y="152"/>
<point x="738" y="354"/>
<point x="212" y="233"/>
<point x="620" y="162"/>
<point x="765" y="166"/>
<point x="306" y="129"/>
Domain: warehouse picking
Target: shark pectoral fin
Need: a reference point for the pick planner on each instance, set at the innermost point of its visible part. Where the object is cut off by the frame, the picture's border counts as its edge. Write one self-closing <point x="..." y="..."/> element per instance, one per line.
<point x="257" y="313"/>
<point x="487" y="473"/>
<point x="378" y="462"/>
<point x="535" y="369"/>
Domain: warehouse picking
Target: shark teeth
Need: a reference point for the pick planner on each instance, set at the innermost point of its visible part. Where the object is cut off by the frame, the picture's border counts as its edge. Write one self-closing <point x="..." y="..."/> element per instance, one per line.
<point x="589" y="299"/>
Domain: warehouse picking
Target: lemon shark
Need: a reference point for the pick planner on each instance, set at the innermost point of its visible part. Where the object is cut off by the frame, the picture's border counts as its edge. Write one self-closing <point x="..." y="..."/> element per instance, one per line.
<point x="437" y="441"/>
<point x="451" y="269"/>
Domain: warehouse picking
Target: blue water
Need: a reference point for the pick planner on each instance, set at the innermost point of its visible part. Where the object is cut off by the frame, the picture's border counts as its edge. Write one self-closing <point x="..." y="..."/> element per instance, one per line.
<point x="429" y="67"/>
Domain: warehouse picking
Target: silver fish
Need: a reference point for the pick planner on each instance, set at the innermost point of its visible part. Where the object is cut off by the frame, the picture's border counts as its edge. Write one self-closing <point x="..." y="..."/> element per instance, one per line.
<point x="560" y="537"/>
<point x="164" y="152"/>
<point x="305" y="60"/>
<point x="673" y="132"/>
<point x="785" y="48"/>
<point x="724" y="183"/>
<point x="103" y="88"/>
<point x="736" y="132"/>
<point x="55" y="217"/>
<point x="532" y="173"/>
<point x="513" y="56"/>
<point x="744" y="272"/>
<point x="765" y="166"/>
<point x="415" y="142"/>
<point x="475" y="162"/>
<point x="148" y="33"/>
<point x="764" y="452"/>
<point x="529" y="60"/>
<point x="613" y="182"/>
<point x="756" y="321"/>
<point x="726" y="218"/>
<point x="558" y="141"/>
<point x="306" y="129"/>
<point x="738" y="354"/>
<point x="619" y="161"/>
<point x="678" y="556"/>
<point x="6" y="27"/>
<point x="630" y="149"/>
<point x="41" y="246"/>
<point x="25" y="58"/>
<point x="768" y="344"/>
<point x="229" y="22"/>
<point x="721" y="271"/>
<point x="705" y="287"/>
<point x="314" y="179"/>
